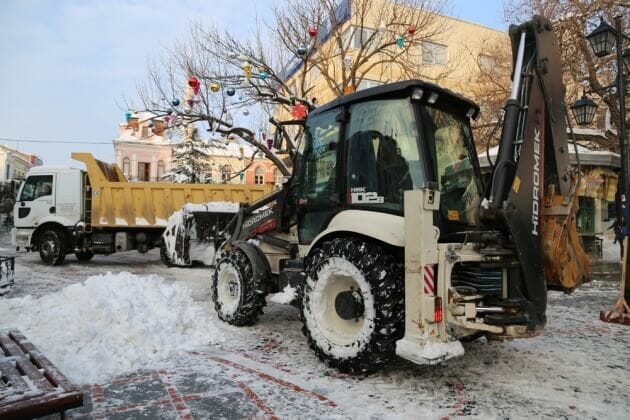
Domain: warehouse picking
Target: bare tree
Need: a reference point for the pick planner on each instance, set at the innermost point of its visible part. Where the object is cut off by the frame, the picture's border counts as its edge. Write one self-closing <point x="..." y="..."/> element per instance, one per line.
<point x="343" y="41"/>
<point x="572" y="20"/>
<point x="491" y="87"/>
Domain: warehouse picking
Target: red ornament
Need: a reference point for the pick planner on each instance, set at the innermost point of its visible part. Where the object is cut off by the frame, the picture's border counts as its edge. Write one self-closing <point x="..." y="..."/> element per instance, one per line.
<point x="411" y="30"/>
<point x="193" y="82"/>
<point x="312" y="32"/>
<point x="299" y="111"/>
<point x="190" y="102"/>
<point x="196" y="89"/>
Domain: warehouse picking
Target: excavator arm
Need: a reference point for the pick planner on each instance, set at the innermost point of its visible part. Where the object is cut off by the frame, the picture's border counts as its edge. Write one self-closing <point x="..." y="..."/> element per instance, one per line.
<point x="532" y="193"/>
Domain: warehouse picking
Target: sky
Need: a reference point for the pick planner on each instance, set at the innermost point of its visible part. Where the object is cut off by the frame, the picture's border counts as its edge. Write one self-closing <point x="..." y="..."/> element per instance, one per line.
<point x="69" y="68"/>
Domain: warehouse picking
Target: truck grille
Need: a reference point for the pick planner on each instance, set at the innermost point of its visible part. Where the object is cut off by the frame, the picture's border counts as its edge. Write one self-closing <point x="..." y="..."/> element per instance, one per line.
<point x="484" y="280"/>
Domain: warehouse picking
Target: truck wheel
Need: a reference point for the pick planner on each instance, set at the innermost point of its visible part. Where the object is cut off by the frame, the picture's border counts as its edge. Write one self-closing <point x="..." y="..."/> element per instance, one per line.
<point x="164" y="255"/>
<point x="52" y="247"/>
<point x="353" y="305"/>
<point x="84" y="255"/>
<point x="237" y="289"/>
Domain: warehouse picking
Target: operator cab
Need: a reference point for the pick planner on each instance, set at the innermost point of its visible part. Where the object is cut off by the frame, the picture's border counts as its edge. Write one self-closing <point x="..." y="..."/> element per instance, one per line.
<point x="362" y="151"/>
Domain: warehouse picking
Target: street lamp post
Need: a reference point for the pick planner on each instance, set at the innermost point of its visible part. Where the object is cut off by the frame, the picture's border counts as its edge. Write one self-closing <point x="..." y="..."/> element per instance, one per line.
<point x="603" y="39"/>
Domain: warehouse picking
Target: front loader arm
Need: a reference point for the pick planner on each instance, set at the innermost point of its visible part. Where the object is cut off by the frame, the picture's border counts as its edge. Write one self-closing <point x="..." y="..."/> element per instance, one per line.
<point x="532" y="196"/>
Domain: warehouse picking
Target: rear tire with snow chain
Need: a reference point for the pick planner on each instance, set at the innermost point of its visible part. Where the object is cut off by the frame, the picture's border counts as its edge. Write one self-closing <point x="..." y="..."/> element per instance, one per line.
<point x="238" y="290"/>
<point x="353" y="304"/>
<point x="52" y="247"/>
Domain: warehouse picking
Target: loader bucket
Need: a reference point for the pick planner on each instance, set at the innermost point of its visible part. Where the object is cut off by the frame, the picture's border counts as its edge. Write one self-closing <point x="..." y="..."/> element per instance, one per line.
<point x="566" y="264"/>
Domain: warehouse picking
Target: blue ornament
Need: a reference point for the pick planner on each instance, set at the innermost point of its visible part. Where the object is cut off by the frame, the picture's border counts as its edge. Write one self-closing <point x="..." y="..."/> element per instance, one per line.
<point x="230" y="91"/>
<point x="263" y="75"/>
<point x="128" y="116"/>
<point x="301" y="50"/>
<point x="242" y="175"/>
<point x="400" y="41"/>
<point x="175" y="102"/>
<point x="240" y="98"/>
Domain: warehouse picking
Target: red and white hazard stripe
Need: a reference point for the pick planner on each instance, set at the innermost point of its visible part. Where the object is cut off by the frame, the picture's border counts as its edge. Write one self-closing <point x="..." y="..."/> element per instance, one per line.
<point x="429" y="279"/>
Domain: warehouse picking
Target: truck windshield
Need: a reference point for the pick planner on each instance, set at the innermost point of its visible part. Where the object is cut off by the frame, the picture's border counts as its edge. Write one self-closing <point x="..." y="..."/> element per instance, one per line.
<point x="450" y="142"/>
<point x="36" y="186"/>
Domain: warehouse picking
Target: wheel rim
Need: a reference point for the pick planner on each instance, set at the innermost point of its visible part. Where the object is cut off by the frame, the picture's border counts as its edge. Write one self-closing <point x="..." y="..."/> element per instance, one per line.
<point x="341" y="337"/>
<point x="49" y="249"/>
<point x="228" y="289"/>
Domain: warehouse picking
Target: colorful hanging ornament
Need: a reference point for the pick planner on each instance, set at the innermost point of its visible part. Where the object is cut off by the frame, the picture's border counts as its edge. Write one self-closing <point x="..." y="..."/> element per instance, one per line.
<point x="269" y="143"/>
<point x="241" y="176"/>
<point x="175" y="102"/>
<point x="263" y="75"/>
<point x="301" y="50"/>
<point x="230" y="91"/>
<point x="151" y="124"/>
<point x="245" y="112"/>
<point x="193" y="82"/>
<point x="240" y="98"/>
<point x="312" y="32"/>
<point x="400" y="41"/>
<point x="167" y="119"/>
<point x="299" y="111"/>
<point x="412" y="30"/>
<point x="247" y="68"/>
<point x="214" y="86"/>
<point x="128" y="116"/>
<point x="190" y="102"/>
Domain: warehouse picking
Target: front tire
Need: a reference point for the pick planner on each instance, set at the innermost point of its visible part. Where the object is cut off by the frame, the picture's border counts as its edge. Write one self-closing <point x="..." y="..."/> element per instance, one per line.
<point x="52" y="247"/>
<point x="353" y="305"/>
<point x="238" y="290"/>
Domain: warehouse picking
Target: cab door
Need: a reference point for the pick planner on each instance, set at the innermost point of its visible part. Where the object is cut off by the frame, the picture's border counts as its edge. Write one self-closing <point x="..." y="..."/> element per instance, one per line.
<point x="318" y="197"/>
<point x="36" y="200"/>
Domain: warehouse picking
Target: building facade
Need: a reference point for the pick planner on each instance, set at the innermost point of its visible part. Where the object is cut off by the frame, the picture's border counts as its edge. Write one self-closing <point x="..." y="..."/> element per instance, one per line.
<point x="15" y="164"/>
<point x="144" y="152"/>
<point x="143" y="148"/>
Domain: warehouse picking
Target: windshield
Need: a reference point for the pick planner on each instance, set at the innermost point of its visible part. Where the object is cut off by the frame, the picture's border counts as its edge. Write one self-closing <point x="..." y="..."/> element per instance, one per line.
<point x="383" y="155"/>
<point x="449" y="139"/>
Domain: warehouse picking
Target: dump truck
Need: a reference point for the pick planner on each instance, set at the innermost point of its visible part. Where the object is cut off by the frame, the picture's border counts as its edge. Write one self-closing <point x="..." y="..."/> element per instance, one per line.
<point x="387" y="237"/>
<point x="61" y="210"/>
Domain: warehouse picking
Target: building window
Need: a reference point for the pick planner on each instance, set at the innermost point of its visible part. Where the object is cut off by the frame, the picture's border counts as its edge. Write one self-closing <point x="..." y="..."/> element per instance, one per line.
<point x="145" y="132"/>
<point x="226" y="173"/>
<point x="487" y="63"/>
<point x="259" y="175"/>
<point x="144" y="171"/>
<point x="365" y="84"/>
<point x="277" y="178"/>
<point x="433" y="53"/>
<point x="355" y="37"/>
<point x="313" y="73"/>
<point x="160" y="168"/>
<point x="126" y="166"/>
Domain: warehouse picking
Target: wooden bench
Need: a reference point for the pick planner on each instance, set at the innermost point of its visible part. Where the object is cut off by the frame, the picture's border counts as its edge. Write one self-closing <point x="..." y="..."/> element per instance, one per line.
<point x="30" y="386"/>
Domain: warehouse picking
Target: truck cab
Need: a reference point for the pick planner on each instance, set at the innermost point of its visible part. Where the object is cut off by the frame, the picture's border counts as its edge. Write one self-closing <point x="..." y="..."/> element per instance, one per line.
<point x="50" y="196"/>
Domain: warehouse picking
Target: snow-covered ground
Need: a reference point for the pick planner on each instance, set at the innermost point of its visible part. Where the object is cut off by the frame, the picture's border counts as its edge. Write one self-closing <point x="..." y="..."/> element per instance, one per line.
<point x="578" y="368"/>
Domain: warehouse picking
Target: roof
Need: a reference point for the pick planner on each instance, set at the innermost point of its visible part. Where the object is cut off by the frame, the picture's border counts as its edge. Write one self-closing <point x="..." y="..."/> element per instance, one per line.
<point x="392" y="89"/>
<point x="48" y="168"/>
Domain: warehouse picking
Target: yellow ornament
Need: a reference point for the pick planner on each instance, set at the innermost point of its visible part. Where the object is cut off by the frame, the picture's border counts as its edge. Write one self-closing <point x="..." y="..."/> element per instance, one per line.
<point x="248" y="70"/>
<point x="215" y="87"/>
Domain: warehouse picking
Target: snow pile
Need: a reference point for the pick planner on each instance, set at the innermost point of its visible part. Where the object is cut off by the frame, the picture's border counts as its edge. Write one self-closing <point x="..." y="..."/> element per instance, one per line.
<point x="111" y="324"/>
<point x="287" y="295"/>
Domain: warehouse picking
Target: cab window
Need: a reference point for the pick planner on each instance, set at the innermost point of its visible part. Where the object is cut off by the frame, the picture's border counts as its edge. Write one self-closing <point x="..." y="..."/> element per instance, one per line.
<point x="36" y="186"/>
<point x="383" y="154"/>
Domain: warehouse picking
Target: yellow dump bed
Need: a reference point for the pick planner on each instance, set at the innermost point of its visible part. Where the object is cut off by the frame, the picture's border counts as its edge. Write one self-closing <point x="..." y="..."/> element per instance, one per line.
<point x="112" y="201"/>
